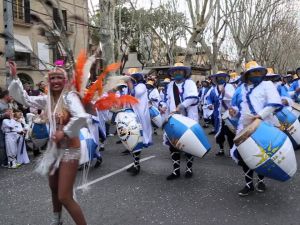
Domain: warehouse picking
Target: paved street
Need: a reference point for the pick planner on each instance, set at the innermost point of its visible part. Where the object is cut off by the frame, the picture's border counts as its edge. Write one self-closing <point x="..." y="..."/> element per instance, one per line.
<point x="209" y="198"/>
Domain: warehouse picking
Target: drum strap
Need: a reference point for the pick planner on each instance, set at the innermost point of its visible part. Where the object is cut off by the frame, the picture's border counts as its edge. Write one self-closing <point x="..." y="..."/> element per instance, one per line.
<point x="176" y="94"/>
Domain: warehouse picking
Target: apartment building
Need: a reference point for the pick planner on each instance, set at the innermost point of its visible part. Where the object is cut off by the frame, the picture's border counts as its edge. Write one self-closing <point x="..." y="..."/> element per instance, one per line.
<point x="34" y="45"/>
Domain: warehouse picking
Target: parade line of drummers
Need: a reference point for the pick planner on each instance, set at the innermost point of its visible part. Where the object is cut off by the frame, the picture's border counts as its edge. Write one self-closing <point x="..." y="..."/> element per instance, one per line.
<point x="256" y="112"/>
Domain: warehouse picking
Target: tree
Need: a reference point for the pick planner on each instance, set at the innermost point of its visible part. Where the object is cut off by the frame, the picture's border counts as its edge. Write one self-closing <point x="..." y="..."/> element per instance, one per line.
<point x="106" y="29"/>
<point x="249" y="21"/>
<point x="200" y="20"/>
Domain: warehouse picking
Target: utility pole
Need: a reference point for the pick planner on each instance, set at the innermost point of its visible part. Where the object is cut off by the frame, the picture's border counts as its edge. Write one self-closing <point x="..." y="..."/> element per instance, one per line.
<point x="8" y="30"/>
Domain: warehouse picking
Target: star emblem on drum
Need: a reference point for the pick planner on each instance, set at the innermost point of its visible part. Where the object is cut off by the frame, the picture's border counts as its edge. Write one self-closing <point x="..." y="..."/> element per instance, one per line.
<point x="266" y="153"/>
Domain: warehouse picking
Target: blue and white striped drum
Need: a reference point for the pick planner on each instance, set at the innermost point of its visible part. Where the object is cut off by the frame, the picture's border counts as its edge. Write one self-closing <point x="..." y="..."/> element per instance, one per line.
<point x="155" y="116"/>
<point x="88" y="146"/>
<point x="39" y="134"/>
<point x="290" y="123"/>
<point x="295" y="109"/>
<point x="129" y="130"/>
<point x="267" y="150"/>
<point x="186" y="135"/>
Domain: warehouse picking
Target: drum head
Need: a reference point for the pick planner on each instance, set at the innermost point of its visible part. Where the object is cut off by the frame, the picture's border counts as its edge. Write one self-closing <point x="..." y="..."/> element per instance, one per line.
<point x="296" y="106"/>
<point x="246" y="133"/>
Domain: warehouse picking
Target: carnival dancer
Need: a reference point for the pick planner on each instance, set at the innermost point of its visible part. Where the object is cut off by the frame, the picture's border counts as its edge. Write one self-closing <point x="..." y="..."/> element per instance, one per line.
<point x="181" y="97"/>
<point x="254" y="99"/>
<point x="66" y="117"/>
<point x="137" y="88"/>
<point x="203" y="94"/>
<point x="220" y="101"/>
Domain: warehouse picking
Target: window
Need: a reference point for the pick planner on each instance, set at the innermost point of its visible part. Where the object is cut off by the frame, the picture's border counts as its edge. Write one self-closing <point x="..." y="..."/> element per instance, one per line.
<point x="21" y="10"/>
<point x="23" y="59"/>
<point x="57" y="19"/>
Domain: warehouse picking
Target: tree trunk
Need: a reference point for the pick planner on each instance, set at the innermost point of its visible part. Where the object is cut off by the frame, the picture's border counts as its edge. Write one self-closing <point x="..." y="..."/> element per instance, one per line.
<point x="106" y="32"/>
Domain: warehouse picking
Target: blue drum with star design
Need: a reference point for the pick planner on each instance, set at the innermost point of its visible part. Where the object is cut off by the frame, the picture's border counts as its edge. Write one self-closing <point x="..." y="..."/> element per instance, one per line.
<point x="267" y="150"/>
<point x="289" y="122"/>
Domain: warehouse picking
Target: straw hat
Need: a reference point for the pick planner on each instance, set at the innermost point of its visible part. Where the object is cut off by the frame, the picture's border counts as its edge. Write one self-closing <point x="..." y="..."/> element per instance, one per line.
<point x="253" y="66"/>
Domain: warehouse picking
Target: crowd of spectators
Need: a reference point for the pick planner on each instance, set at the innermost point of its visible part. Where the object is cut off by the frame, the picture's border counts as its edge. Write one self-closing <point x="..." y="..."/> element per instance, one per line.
<point x="14" y="127"/>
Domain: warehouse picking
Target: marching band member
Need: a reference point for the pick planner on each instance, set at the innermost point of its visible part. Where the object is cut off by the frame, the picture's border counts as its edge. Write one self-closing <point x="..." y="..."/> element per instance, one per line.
<point x="220" y="101"/>
<point x="66" y="117"/>
<point x="164" y="87"/>
<point x="153" y="94"/>
<point x="287" y="80"/>
<point x="294" y="90"/>
<point x="181" y="96"/>
<point x="137" y="88"/>
<point x="235" y="79"/>
<point x="254" y="99"/>
<point x="203" y="93"/>
<point x="282" y="90"/>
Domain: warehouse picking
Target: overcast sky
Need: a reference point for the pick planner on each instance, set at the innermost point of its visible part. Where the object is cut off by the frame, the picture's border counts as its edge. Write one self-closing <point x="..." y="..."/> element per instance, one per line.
<point x="146" y="4"/>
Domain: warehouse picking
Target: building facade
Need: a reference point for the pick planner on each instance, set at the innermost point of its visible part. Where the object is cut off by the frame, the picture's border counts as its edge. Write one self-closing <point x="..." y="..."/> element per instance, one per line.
<point x="36" y="49"/>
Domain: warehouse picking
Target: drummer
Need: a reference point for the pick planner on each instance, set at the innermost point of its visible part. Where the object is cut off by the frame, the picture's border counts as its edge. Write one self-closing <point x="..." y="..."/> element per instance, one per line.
<point x="220" y="101"/>
<point x="153" y="94"/>
<point x="294" y="90"/>
<point x="282" y="90"/>
<point x="182" y="97"/>
<point x="255" y="99"/>
<point x="203" y="93"/>
<point x="137" y="88"/>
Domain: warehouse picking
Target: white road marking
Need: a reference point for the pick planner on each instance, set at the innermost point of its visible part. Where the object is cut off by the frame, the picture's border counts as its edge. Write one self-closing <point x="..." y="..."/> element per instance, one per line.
<point x="111" y="174"/>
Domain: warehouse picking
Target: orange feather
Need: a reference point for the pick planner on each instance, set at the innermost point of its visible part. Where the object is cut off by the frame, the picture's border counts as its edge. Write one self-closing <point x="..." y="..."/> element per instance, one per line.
<point x="98" y="84"/>
<point x="127" y="100"/>
<point x="106" y="102"/>
<point x="80" y="62"/>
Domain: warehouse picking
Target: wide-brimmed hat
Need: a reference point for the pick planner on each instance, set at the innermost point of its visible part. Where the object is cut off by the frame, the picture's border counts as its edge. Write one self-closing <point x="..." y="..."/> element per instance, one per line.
<point x="271" y="73"/>
<point x="180" y="66"/>
<point x="137" y="77"/>
<point x="234" y="77"/>
<point x="253" y="66"/>
<point x="150" y="82"/>
<point x="220" y="74"/>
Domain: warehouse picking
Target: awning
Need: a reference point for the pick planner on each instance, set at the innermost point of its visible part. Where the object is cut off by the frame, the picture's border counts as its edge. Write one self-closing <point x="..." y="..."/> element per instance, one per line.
<point x="25" y="41"/>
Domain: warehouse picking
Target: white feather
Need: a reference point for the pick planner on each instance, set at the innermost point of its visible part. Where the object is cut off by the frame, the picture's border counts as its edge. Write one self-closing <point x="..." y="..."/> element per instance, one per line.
<point x="114" y="81"/>
<point x="86" y="73"/>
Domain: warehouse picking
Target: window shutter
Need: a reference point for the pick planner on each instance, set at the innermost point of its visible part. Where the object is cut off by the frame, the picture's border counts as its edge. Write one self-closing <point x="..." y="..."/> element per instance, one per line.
<point x="64" y="12"/>
<point x="27" y="11"/>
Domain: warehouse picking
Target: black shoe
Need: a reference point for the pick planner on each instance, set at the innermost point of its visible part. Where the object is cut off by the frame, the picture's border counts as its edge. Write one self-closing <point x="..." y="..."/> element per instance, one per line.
<point x="220" y="153"/>
<point x="246" y="191"/>
<point x="211" y="133"/>
<point x="98" y="163"/>
<point x="134" y="170"/>
<point x="119" y="142"/>
<point x="84" y="166"/>
<point x="205" y="126"/>
<point x="188" y="174"/>
<point x="155" y="133"/>
<point x="126" y="152"/>
<point x="101" y="149"/>
<point x="36" y="153"/>
<point x="173" y="176"/>
<point x="260" y="187"/>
